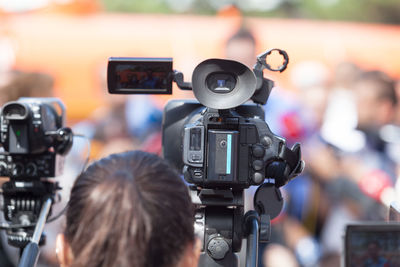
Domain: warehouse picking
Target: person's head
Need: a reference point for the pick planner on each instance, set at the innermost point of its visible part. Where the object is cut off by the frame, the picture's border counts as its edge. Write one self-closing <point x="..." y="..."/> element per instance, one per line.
<point x="25" y="84"/>
<point x="312" y="78"/>
<point x="376" y="100"/>
<point x="345" y="74"/>
<point x="31" y="84"/>
<point x="129" y="209"/>
<point x="241" y="47"/>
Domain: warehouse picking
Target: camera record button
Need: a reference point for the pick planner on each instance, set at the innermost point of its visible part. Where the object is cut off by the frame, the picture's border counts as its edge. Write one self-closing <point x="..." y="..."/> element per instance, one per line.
<point x="258" y="165"/>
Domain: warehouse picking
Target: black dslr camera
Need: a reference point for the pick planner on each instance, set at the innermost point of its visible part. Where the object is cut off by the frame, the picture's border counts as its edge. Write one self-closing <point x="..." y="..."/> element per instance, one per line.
<point x="220" y="144"/>
<point x="34" y="140"/>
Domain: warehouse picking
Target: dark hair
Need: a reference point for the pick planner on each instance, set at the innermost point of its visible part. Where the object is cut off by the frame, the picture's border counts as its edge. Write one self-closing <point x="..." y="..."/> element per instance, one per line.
<point x="129" y="209"/>
<point x="382" y="83"/>
<point x="29" y="84"/>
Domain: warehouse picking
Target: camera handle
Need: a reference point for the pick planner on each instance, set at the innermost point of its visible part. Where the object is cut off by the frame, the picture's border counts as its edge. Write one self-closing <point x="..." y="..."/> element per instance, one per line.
<point x="251" y="227"/>
<point x="31" y="251"/>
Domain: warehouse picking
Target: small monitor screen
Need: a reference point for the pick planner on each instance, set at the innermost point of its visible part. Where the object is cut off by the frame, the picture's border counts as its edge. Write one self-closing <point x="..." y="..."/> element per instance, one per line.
<point x="373" y="245"/>
<point x="140" y="75"/>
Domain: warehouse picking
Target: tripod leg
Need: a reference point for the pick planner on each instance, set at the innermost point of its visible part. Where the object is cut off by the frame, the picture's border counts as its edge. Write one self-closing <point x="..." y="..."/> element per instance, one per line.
<point x="31" y="251"/>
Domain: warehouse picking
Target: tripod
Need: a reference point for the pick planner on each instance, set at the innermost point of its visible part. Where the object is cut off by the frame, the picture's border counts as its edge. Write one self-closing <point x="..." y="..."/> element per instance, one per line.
<point x="221" y="224"/>
<point x="27" y="205"/>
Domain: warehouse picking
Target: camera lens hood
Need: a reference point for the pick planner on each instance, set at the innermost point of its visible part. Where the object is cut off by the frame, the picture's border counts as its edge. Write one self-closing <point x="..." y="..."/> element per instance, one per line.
<point x="237" y="81"/>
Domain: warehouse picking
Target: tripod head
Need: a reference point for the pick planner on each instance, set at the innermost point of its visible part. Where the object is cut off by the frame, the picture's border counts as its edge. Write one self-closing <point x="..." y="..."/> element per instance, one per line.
<point x="221" y="224"/>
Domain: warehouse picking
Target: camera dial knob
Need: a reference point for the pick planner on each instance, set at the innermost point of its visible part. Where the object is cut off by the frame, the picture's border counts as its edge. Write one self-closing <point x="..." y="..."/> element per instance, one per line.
<point x="18" y="169"/>
<point x="30" y="169"/>
<point x="258" y="151"/>
<point x="217" y="248"/>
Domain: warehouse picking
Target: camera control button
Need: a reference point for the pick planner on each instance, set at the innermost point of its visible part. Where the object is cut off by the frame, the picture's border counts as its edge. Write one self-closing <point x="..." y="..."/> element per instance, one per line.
<point x="223" y="143"/>
<point x="258" y="178"/>
<point x="258" y="151"/>
<point x="266" y="141"/>
<point x="196" y="157"/>
<point x="258" y="164"/>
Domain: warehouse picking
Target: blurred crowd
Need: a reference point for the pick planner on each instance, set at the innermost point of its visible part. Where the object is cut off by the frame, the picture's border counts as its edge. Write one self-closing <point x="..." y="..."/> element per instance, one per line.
<point x="346" y="119"/>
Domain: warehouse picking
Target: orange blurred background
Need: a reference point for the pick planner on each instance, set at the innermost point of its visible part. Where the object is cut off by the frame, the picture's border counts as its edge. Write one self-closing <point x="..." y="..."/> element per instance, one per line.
<point x="73" y="45"/>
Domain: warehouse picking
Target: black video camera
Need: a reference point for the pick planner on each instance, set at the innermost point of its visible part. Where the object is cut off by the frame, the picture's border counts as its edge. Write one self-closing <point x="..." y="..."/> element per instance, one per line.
<point x="34" y="140"/>
<point x="220" y="144"/>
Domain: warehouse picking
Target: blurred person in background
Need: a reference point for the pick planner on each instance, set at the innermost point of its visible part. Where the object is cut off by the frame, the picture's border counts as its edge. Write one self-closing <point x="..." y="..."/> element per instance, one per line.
<point x="307" y="205"/>
<point x="376" y="101"/>
<point x="364" y="171"/>
<point x="18" y="84"/>
<point x="340" y="119"/>
<point x="142" y="197"/>
<point x="241" y="46"/>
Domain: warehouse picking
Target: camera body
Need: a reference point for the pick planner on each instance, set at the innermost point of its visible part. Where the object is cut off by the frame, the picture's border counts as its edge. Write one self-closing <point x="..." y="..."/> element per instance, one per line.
<point x="218" y="142"/>
<point x="32" y="134"/>
<point x="24" y="126"/>
<point x="34" y="140"/>
<point x="233" y="155"/>
<point x="230" y="149"/>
